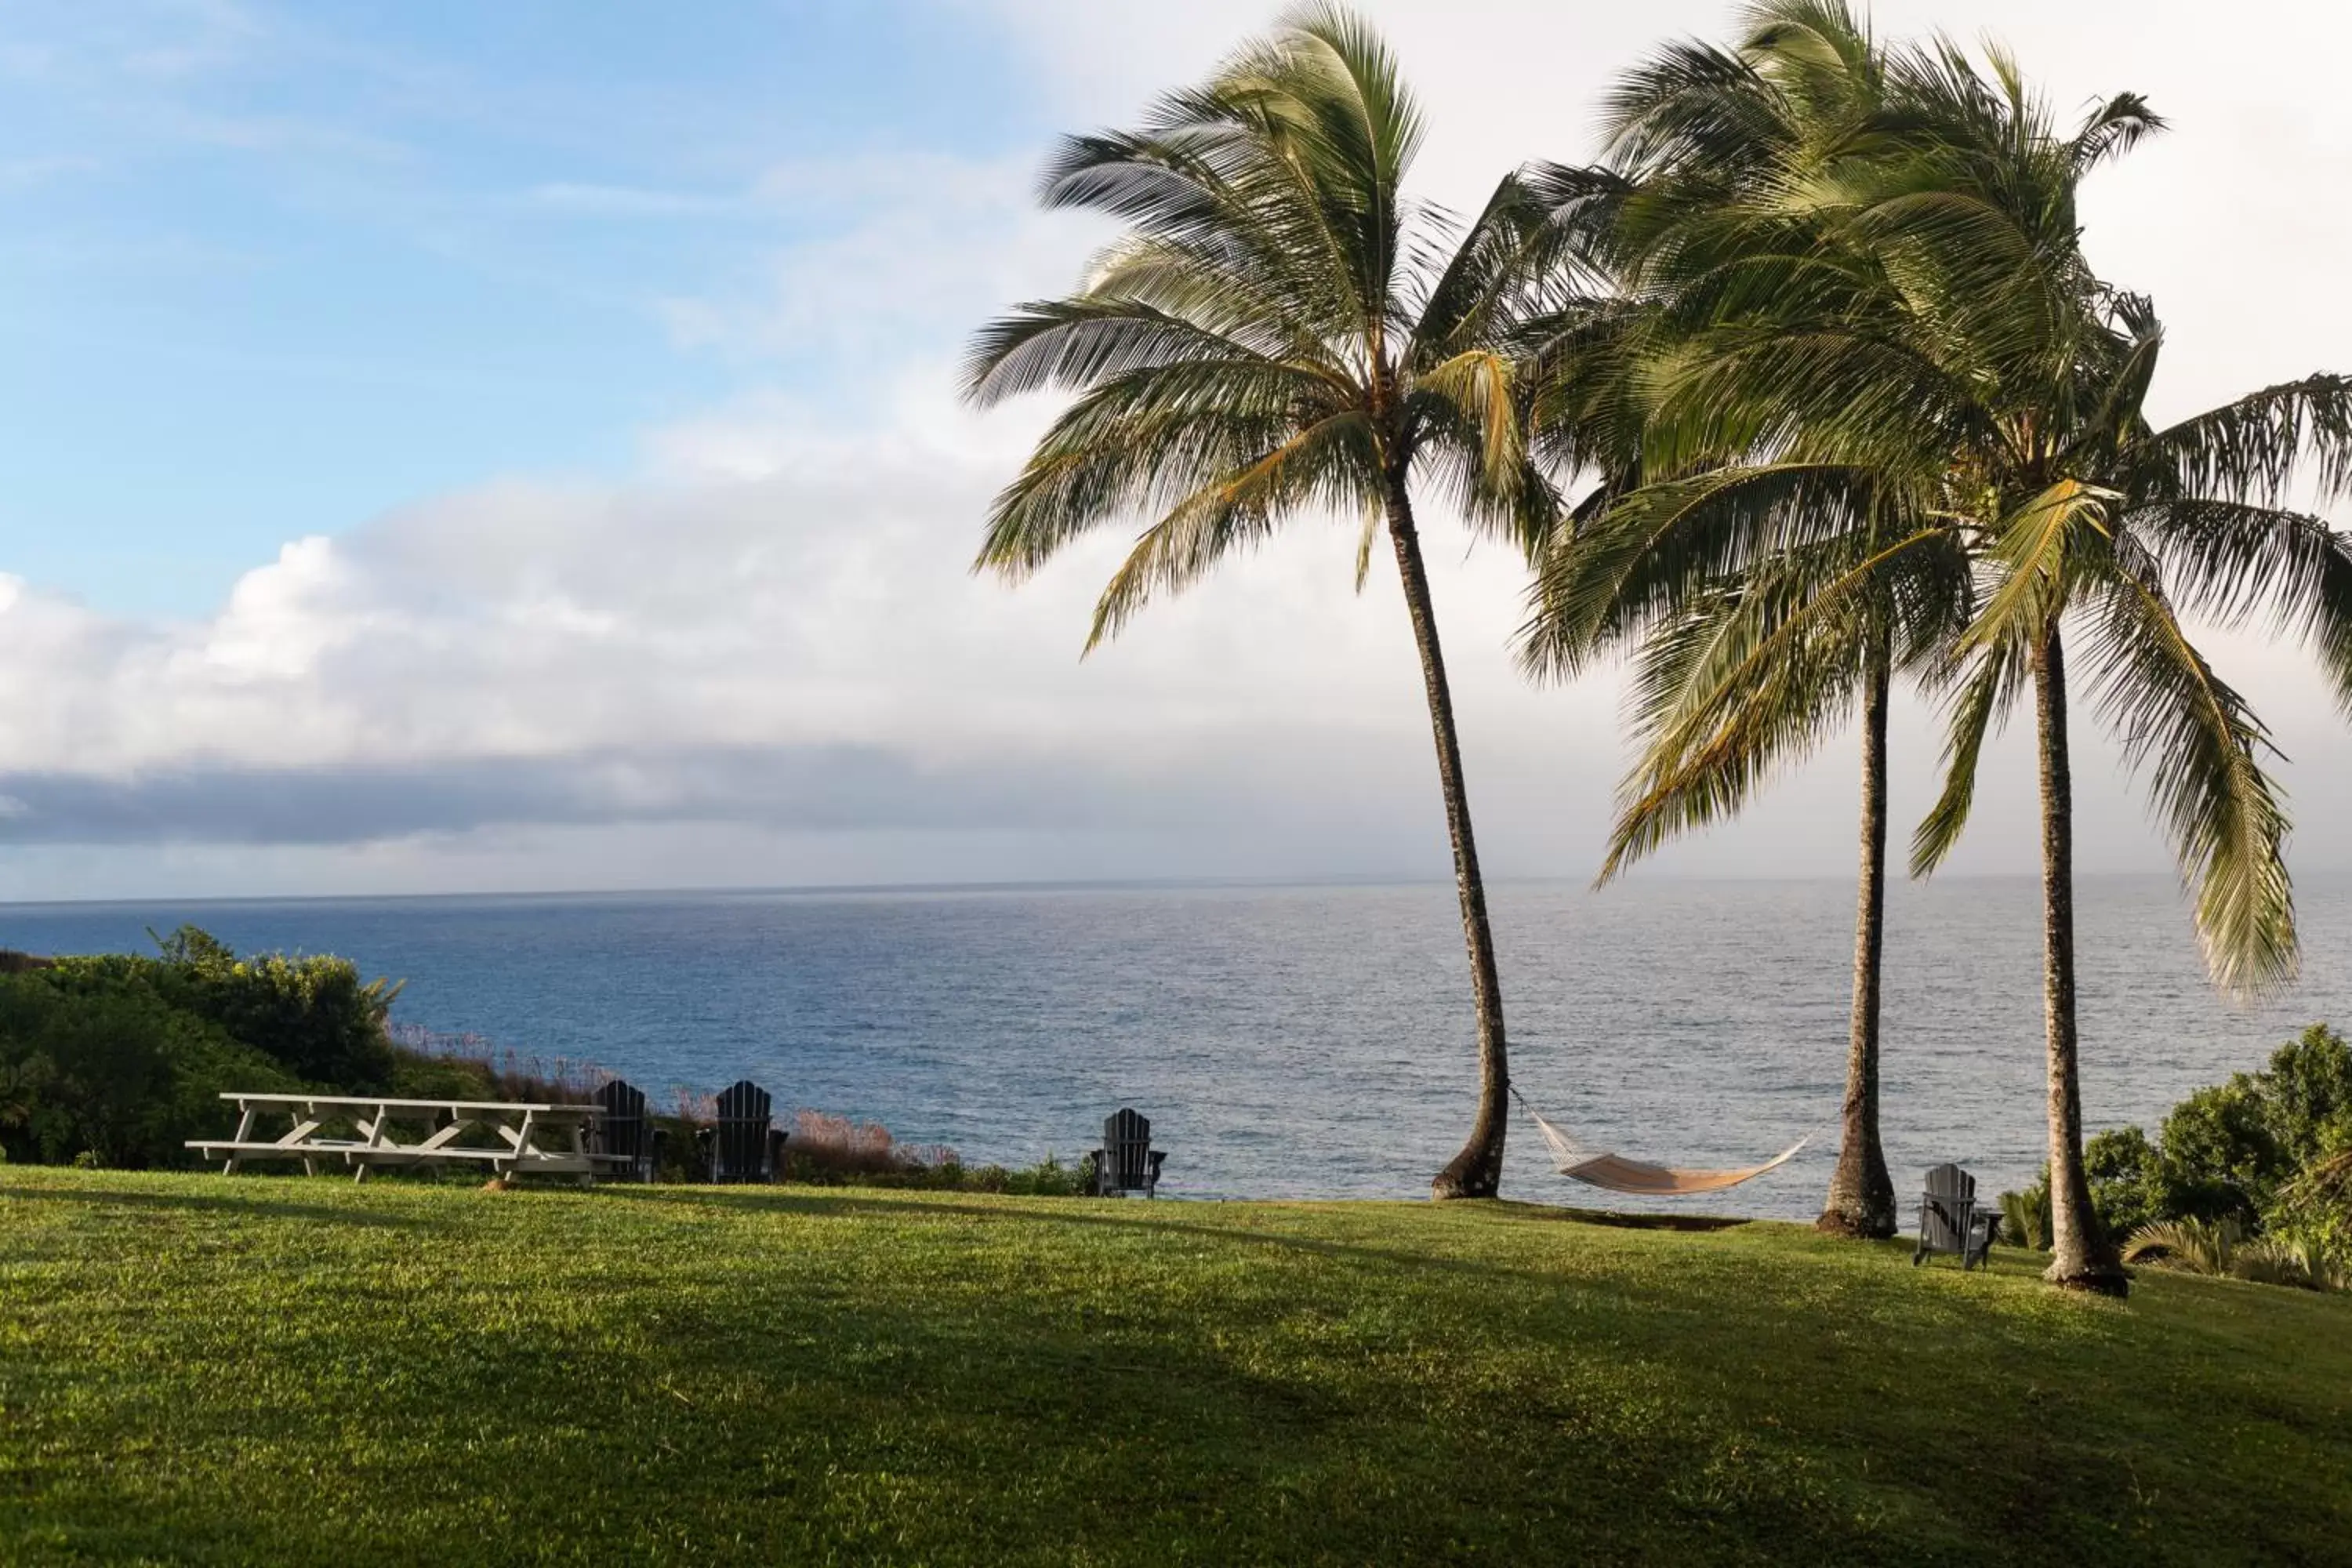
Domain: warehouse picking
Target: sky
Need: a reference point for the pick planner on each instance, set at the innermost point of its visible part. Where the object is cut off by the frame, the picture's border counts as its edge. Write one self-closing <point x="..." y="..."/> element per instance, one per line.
<point x="457" y="448"/>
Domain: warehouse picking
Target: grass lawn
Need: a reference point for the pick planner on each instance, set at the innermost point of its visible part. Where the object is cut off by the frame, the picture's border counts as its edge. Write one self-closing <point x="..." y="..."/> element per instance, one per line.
<point x="212" y="1369"/>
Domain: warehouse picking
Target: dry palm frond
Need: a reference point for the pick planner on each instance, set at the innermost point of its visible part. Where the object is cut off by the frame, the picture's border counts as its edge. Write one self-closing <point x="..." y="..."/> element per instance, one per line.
<point x="2191" y="1246"/>
<point x="2273" y="1260"/>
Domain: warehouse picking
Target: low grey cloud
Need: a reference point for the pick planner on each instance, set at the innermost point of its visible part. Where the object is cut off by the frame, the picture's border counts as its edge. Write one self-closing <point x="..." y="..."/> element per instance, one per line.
<point x="821" y="788"/>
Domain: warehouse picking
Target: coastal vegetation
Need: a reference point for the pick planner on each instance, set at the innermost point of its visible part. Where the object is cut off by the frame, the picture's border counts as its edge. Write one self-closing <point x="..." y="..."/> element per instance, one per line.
<point x="1804" y="395"/>
<point x="2251" y="1178"/>
<point x="199" y="1371"/>
<point x="1822" y="341"/>
<point x="116" y="1060"/>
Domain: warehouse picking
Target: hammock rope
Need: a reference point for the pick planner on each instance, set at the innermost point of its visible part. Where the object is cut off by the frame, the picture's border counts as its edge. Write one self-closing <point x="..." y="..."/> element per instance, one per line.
<point x="1600" y="1168"/>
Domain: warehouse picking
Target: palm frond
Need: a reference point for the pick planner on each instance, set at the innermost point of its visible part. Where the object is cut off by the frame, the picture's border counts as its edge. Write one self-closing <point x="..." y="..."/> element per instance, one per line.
<point x="2035" y="547"/>
<point x="1143" y="442"/>
<point x="1752" y="679"/>
<point x="1319" y="466"/>
<point x="2198" y="743"/>
<point x="1078" y="344"/>
<point x="2231" y="561"/>
<point x="1627" y="569"/>
<point x="1981" y="702"/>
<point x="2257" y="447"/>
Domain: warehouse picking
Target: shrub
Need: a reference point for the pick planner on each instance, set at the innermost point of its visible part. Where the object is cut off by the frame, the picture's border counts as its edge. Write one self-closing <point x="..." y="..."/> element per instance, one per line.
<point x="1049" y="1178"/>
<point x="111" y="1074"/>
<point x="2308" y="1086"/>
<point x="2233" y="1151"/>
<point x="2135" y="1182"/>
<point x="2191" y="1246"/>
<point x="2127" y="1180"/>
<point x="2221" y="1155"/>
<point x="313" y="1016"/>
<point x="2317" y="1206"/>
<point x="2222" y="1247"/>
<point x="831" y="1149"/>
<point x="2025" y="1216"/>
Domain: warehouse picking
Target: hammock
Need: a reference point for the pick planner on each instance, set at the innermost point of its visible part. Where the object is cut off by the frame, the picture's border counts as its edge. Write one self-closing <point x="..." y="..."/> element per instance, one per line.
<point x="1600" y="1169"/>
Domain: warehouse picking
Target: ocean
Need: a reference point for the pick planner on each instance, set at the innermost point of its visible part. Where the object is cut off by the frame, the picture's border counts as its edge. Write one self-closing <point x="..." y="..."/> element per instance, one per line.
<point x="1317" y="1041"/>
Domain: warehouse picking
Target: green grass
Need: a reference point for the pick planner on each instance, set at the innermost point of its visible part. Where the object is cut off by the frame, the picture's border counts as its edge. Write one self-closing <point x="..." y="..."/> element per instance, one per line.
<point x="212" y="1369"/>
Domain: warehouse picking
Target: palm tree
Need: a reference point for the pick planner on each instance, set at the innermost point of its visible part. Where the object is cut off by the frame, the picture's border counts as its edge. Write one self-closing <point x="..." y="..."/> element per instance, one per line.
<point x="1772" y="591"/>
<point x="1283" y="331"/>
<point x="1978" y="369"/>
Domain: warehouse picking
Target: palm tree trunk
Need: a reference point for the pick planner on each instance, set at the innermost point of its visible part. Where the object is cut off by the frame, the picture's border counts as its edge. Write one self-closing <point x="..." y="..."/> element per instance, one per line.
<point x="1477" y="1170"/>
<point x="1861" y="1200"/>
<point x="2081" y="1256"/>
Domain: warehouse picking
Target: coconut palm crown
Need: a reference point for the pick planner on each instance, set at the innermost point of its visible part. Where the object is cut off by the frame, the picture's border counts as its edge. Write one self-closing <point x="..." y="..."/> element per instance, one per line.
<point x="1767" y="589"/>
<point x="1282" y="332"/>
<point x="1951" y="348"/>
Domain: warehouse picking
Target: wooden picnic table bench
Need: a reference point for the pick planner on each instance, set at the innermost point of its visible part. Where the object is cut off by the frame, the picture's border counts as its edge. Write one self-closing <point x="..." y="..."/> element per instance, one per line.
<point x="526" y="1133"/>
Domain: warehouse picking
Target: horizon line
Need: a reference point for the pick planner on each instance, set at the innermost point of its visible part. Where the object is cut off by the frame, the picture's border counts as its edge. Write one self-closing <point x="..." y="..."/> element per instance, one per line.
<point x="1036" y="885"/>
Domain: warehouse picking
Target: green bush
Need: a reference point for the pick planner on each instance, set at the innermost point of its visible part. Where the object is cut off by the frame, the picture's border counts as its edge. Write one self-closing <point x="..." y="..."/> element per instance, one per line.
<point x="313" y="1016"/>
<point x="2025" y="1216"/>
<point x="2231" y="1151"/>
<point x="2317" y="1206"/>
<point x="112" y="1075"/>
<point x="2309" y="1087"/>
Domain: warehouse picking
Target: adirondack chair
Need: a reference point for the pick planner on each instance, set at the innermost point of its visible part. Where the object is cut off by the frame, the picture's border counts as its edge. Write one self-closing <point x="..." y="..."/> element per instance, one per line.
<point x="1950" y="1221"/>
<point x="627" y="1133"/>
<point x="746" y="1146"/>
<point x="1127" y="1163"/>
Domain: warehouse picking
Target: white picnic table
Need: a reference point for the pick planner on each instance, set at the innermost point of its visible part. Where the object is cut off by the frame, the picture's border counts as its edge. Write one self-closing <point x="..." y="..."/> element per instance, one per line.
<point x="534" y="1139"/>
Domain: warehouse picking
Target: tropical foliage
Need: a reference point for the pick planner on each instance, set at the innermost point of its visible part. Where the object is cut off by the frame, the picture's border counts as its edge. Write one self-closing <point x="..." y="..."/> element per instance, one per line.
<point x="2255" y="1153"/>
<point x="1751" y="643"/>
<point x="2025" y="1216"/>
<point x="112" y="1074"/>
<point x="2220" y="1246"/>
<point x="1822" y="329"/>
<point x="1284" y="330"/>
<point x="1892" y="415"/>
<point x="312" y="1014"/>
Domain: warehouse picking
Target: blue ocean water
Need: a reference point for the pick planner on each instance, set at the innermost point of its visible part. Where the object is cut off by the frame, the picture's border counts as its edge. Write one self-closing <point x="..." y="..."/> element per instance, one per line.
<point x="1317" y="1041"/>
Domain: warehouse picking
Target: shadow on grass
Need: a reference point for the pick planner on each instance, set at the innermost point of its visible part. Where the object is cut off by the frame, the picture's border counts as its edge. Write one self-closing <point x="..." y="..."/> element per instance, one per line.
<point x="1695" y="1222"/>
<point x="1162" y="1219"/>
<point x="226" y="1203"/>
<point x="800" y="1417"/>
<point x="854" y="1401"/>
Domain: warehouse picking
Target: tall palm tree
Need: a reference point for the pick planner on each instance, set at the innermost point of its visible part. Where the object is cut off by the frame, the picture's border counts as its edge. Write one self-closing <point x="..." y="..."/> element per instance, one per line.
<point x="1980" y="370"/>
<point x="1283" y="331"/>
<point x="1712" y="567"/>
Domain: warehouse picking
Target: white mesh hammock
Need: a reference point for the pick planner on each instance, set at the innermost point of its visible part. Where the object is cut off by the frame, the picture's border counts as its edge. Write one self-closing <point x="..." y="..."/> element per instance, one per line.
<point x="1602" y="1169"/>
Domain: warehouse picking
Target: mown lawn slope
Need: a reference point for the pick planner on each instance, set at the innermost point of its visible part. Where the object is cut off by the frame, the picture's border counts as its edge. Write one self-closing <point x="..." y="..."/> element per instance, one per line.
<point x="214" y="1370"/>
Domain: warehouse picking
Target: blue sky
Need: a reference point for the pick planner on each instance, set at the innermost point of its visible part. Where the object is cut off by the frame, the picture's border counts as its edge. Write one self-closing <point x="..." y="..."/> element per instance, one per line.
<point x="268" y="270"/>
<point x="513" y="445"/>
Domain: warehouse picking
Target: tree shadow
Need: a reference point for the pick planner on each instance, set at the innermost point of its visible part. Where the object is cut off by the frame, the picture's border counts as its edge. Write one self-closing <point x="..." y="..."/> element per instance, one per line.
<point x="1162" y="1219"/>
<point x="1618" y="1219"/>
<point x="226" y="1203"/>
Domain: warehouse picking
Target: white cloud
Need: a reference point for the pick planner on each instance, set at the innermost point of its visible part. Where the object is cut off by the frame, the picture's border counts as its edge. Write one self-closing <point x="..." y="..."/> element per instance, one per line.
<point x="677" y="650"/>
<point x="788" y="578"/>
<point x="896" y="256"/>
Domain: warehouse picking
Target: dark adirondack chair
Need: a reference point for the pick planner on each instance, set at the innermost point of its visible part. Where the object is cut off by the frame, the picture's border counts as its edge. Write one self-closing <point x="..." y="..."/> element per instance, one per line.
<point x="1127" y="1163"/>
<point x="745" y="1146"/>
<point x="627" y="1133"/>
<point x="1950" y="1221"/>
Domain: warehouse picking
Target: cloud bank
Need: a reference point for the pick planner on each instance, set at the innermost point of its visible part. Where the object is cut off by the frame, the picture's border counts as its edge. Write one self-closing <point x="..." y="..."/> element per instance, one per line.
<point x="764" y="658"/>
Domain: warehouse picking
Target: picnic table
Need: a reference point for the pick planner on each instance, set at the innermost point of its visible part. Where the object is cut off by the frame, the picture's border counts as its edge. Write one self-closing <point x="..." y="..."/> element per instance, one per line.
<point x="533" y="1140"/>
